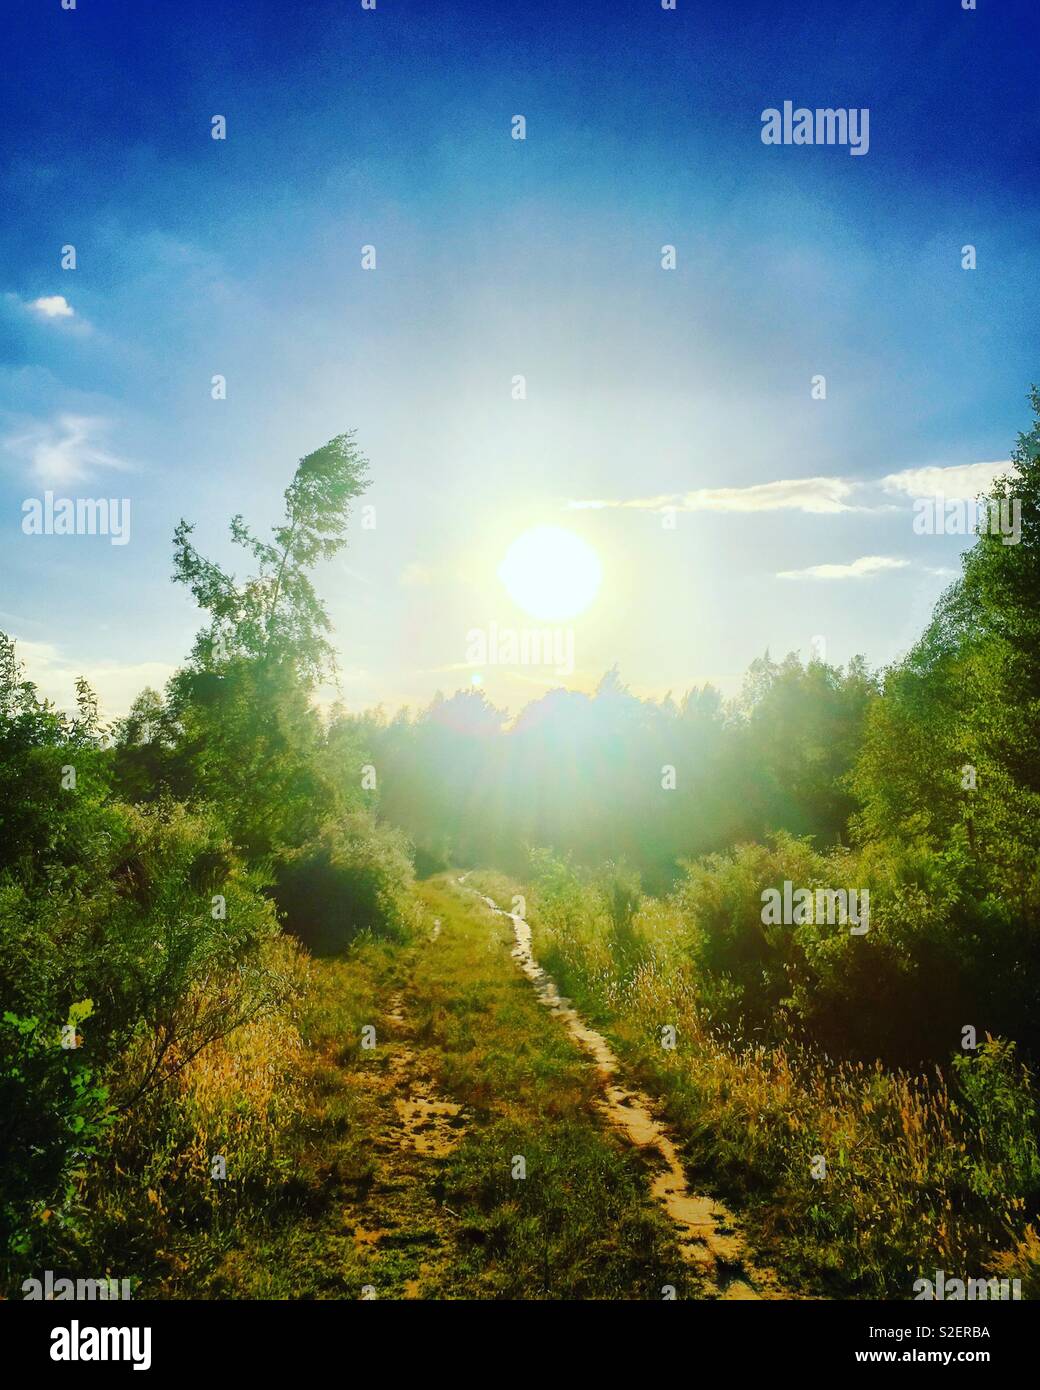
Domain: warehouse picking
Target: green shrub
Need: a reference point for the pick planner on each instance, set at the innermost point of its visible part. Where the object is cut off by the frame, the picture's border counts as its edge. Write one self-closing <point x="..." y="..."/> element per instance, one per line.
<point x="52" y="1114"/>
<point x="352" y="878"/>
<point x="165" y="944"/>
<point x="621" y="894"/>
<point x="996" y="1096"/>
<point x="941" y="952"/>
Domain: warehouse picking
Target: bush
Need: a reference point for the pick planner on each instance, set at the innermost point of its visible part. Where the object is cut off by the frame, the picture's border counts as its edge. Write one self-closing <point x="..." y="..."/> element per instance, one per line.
<point x="159" y="957"/>
<point x="621" y="893"/>
<point x="52" y="1114"/>
<point x="352" y="878"/>
<point x="940" y="952"/>
<point x="996" y="1096"/>
<point x="746" y="964"/>
<point x="922" y="1174"/>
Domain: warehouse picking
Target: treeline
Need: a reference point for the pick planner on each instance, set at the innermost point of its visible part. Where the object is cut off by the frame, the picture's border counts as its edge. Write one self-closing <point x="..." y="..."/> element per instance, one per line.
<point x="146" y="871"/>
<point x="614" y="777"/>
<point x="945" y="833"/>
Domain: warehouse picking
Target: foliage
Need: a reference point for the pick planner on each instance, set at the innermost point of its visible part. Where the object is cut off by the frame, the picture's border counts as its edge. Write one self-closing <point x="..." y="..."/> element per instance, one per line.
<point x="589" y="776"/>
<point x="136" y="864"/>
<point x="53" y="1113"/>
<point x="276" y="615"/>
<point x="923" y="1172"/>
<point x="352" y="878"/>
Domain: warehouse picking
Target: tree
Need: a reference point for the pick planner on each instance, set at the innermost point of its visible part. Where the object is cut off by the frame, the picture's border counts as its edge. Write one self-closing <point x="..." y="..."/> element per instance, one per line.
<point x="248" y="738"/>
<point x="276" y="615"/>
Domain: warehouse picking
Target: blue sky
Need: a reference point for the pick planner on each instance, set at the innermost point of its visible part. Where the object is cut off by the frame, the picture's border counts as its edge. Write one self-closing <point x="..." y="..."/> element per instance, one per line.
<point x="496" y="257"/>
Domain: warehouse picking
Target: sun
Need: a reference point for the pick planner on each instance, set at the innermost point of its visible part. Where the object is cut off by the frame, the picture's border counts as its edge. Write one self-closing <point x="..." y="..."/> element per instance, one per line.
<point x="551" y="573"/>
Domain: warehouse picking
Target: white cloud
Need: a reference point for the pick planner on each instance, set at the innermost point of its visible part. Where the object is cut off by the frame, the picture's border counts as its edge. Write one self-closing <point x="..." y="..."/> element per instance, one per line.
<point x="52" y="306"/>
<point x="957" y="480"/>
<point x="65" y="450"/>
<point x="858" y="569"/>
<point x="117" y="684"/>
<point x="819" y="495"/>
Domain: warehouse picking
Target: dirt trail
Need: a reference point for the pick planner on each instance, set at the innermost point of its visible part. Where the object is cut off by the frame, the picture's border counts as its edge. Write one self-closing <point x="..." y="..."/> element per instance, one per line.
<point x="426" y="1123"/>
<point x="709" y="1236"/>
<point x="420" y="1127"/>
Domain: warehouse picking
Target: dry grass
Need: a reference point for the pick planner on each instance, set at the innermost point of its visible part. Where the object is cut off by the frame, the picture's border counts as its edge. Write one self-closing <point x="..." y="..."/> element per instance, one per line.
<point x="904" y="1171"/>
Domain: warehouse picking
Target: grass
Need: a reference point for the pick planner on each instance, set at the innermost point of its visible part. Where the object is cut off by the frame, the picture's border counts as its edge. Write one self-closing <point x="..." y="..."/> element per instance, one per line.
<point x="273" y="1101"/>
<point x="335" y="1187"/>
<point x="461" y="1156"/>
<point x="580" y="1224"/>
<point x="913" y="1182"/>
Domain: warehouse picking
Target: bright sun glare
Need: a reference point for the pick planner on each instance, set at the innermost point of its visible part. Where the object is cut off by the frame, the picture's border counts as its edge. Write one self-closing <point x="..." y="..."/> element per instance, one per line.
<point x="551" y="573"/>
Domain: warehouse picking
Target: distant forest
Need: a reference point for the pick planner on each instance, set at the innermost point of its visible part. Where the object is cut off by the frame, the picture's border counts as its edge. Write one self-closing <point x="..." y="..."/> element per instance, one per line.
<point x="611" y="776"/>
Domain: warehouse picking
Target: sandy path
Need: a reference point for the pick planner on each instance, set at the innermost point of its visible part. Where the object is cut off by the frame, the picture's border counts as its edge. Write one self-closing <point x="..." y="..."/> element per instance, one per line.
<point x="709" y="1235"/>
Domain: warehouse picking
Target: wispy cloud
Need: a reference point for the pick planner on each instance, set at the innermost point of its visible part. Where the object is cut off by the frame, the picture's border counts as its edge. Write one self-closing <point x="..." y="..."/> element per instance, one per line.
<point x="65" y="450"/>
<point x="957" y="480"/>
<point x="858" y="569"/>
<point x="51" y="314"/>
<point x="794" y="494"/>
<point x="821" y="495"/>
<point x="442" y="670"/>
<point x="415" y="576"/>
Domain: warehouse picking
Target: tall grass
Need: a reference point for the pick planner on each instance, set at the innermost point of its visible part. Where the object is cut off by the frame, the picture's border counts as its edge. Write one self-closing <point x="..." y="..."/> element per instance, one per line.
<point x="923" y="1170"/>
